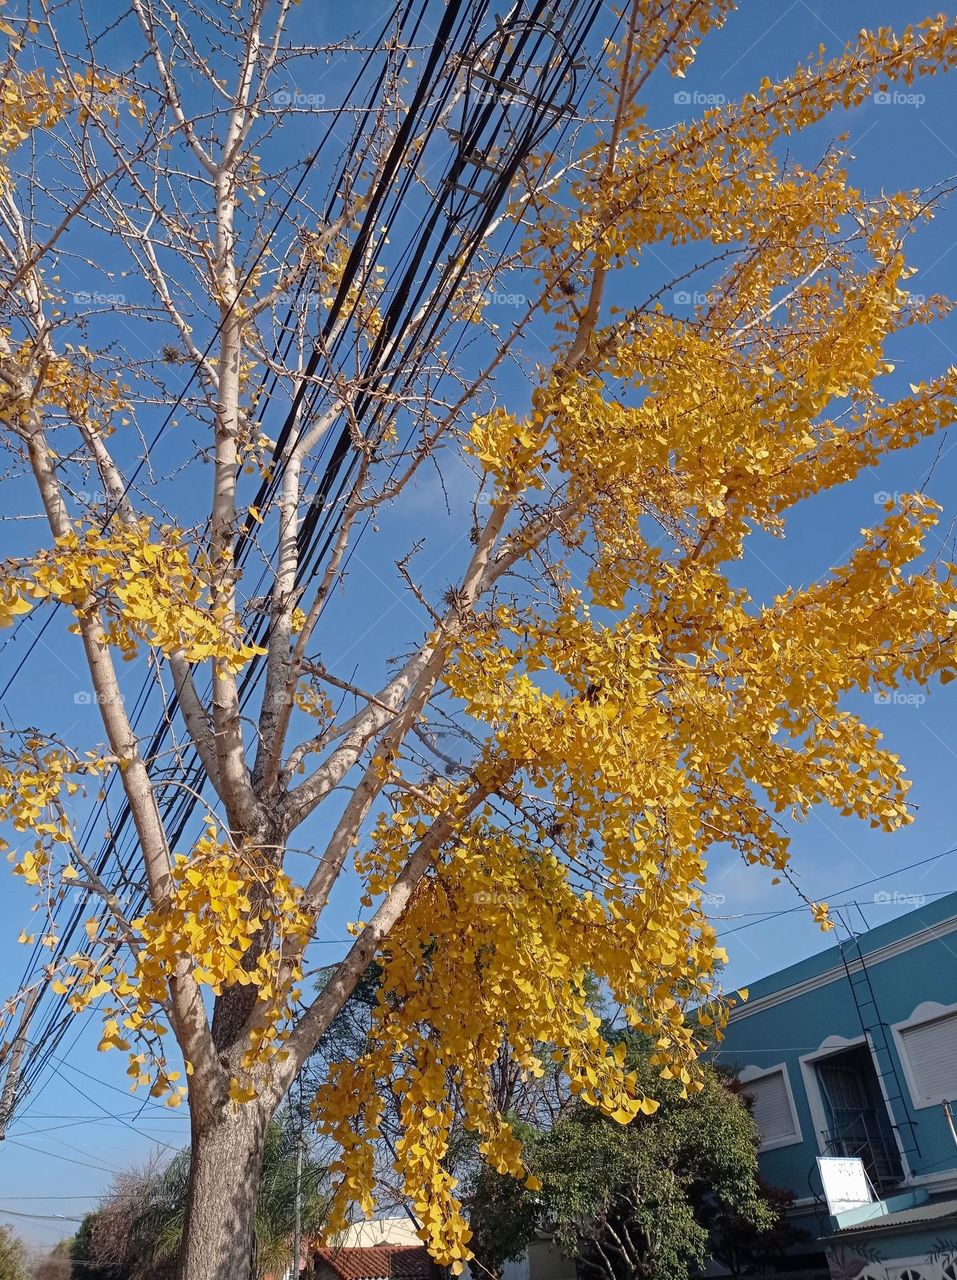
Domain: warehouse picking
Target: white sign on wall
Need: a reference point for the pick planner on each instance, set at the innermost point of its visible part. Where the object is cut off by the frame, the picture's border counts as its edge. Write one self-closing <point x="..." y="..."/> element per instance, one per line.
<point x="845" y="1181"/>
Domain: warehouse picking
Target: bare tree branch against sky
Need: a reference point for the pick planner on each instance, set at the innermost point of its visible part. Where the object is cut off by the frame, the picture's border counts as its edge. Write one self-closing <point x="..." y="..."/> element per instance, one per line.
<point x="517" y="320"/>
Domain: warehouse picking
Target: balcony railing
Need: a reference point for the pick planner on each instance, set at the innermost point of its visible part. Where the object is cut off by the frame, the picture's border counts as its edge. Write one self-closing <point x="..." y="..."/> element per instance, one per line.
<point x="858" y="1132"/>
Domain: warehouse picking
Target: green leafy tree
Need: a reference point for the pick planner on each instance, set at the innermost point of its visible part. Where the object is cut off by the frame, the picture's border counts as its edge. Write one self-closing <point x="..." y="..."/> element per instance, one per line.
<point x="81" y="1249"/>
<point x="81" y="1245"/>
<point x="591" y="710"/>
<point x="13" y="1257"/>
<point x="139" y="1231"/>
<point x="746" y="1248"/>
<point x="636" y="1200"/>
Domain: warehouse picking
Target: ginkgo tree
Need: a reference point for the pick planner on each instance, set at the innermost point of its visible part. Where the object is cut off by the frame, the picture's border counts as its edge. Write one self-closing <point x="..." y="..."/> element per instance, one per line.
<point x="587" y="708"/>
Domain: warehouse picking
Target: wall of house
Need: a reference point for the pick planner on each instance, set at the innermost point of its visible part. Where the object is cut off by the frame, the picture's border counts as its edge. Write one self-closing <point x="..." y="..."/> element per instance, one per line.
<point x="913" y="1255"/>
<point x="809" y="1008"/>
<point x="545" y="1262"/>
<point x="396" y="1230"/>
<point x="541" y="1261"/>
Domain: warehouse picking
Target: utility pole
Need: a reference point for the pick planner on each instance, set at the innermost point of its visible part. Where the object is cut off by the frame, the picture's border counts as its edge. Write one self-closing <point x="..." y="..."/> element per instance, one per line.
<point x="950" y="1120"/>
<point x="14" y="1051"/>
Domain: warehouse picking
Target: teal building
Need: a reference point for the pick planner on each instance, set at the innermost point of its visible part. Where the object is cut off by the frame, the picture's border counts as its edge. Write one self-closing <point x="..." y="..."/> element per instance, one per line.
<point x="853" y="1053"/>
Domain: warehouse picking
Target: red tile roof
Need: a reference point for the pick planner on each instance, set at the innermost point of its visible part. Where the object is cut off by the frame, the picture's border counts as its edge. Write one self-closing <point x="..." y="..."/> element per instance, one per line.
<point x="378" y="1262"/>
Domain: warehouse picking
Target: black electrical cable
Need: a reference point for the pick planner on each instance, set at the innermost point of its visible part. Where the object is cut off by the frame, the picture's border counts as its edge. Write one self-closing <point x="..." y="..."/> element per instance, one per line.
<point x="181" y="811"/>
<point x="181" y="818"/>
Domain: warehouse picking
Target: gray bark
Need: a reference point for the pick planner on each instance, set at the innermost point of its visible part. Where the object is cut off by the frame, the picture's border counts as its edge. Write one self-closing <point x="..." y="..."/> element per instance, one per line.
<point x="219" y="1231"/>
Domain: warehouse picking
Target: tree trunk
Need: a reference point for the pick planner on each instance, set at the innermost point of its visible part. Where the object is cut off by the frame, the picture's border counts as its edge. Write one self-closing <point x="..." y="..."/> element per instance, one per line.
<point x="224" y="1172"/>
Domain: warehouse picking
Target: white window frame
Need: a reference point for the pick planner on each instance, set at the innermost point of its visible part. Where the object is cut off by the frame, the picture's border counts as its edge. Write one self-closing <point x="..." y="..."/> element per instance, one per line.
<point x="747" y="1076"/>
<point x="815" y="1099"/>
<point x="928" y="1011"/>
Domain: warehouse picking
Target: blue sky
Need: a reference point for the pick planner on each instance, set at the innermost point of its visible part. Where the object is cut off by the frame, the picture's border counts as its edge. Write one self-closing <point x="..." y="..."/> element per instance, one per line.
<point x="82" y="1124"/>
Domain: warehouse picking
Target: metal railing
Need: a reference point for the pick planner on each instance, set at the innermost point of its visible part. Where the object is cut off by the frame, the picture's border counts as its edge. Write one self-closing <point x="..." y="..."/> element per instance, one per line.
<point x="858" y="1132"/>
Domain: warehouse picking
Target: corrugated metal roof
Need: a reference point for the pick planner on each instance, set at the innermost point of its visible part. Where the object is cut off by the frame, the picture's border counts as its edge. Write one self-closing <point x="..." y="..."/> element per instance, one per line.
<point x="935" y="1211"/>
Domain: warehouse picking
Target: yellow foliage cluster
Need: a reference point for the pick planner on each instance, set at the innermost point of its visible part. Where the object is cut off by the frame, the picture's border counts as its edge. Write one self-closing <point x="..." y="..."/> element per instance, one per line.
<point x="31" y="780"/>
<point x="638" y="709"/>
<point x="66" y="386"/>
<point x="236" y="917"/>
<point x="508" y="449"/>
<point x="12" y="602"/>
<point x="34" y="778"/>
<point x="233" y="918"/>
<point x="27" y="102"/>
<point x="499" y="947"/>
<point x="659" y="711"/>
<point x="30" y="101"/>
<point x="150" y="586"/>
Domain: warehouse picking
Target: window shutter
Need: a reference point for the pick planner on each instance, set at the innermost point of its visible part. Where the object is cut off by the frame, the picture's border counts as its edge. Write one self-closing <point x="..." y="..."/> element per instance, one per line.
<point x="771" y="1107"/>
<point x="931" y="1050"/>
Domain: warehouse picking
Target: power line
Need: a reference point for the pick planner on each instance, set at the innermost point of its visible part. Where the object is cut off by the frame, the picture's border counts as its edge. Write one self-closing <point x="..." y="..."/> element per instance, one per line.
<point x="40" y="1217"/>
<point x="54" y="1155"/>
<point x="147" y="684"/>
<point x="403" y="342"/>
<point x="106" y="1112"/>
<point x="861" y="884"/>
<point x="760" y="916"/>
<point x="178" y="811"/>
